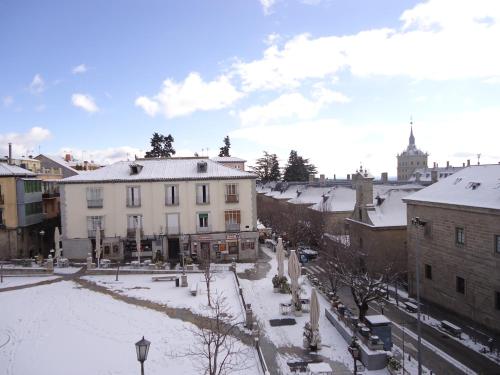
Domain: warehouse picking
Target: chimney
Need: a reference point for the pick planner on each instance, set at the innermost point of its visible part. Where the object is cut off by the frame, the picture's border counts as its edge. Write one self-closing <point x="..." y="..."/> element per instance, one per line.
<point x="384" y="177"/>
<point x="434" y="165"/>
<point x="447" y="164"/>
<point x="434" y="176"/>
<point x="348" y="177"/>
<point x="67" y="157"/>
<point x="463" y="165"/>
<point x="10" y="153"/>
<point x="468" y="162"/>
<point x="322" y="180"/>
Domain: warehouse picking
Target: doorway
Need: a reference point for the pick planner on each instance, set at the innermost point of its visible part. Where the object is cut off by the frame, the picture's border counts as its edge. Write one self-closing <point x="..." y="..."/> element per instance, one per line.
<point x="173" y="248"/>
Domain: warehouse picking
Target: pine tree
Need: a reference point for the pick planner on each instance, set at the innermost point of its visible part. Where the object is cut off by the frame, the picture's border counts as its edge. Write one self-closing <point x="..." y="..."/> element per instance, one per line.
<point x="298" y="168"/>
<point x="161" y="146"/>
<point x="274" y="173"/>
<point x="267" y="168"/>
<point x="224" y="150"/>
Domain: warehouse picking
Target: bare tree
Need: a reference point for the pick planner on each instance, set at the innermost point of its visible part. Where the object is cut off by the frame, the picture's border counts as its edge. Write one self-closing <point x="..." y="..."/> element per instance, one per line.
<point x="208" y="274"/>
<point x="216" y="349"/>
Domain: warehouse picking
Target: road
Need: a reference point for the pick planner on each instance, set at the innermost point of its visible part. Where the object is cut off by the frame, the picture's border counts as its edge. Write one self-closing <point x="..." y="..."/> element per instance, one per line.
<point x="440" y="353"/>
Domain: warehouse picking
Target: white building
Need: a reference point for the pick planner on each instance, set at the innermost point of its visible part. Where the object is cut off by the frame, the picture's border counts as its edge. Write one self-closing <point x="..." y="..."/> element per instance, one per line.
<point x="231" y="162"/>
<point x="193" y="206"/>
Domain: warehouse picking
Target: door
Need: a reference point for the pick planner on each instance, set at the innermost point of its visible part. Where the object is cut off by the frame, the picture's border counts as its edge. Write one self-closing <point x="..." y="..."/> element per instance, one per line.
<point x="173" y="249"/>
<point x="205" y="250"/>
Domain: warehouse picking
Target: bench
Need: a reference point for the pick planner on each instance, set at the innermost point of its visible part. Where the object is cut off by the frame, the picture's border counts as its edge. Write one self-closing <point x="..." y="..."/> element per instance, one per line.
<point x="451" y="328"/>
<point x="411" y="307"/>
<point x="164" y="278"/>
<point x="193" y="289"/>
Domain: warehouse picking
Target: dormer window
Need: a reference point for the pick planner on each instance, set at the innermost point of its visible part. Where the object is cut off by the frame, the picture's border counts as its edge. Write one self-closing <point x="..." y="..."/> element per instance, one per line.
<point x="202" y="167"/>
<point x="473" y="185"/>
<point x="135" y="168"/>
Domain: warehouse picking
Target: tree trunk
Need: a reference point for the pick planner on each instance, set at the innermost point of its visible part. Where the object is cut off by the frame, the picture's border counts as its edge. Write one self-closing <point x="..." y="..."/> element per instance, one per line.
<point x="363" y="309"/>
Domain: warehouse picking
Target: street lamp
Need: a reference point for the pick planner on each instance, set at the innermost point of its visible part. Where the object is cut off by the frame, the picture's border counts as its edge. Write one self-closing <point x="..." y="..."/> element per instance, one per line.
<point x="418" y="224"/>
<point x="42" y="233"/>
<point x="142" y="348"/>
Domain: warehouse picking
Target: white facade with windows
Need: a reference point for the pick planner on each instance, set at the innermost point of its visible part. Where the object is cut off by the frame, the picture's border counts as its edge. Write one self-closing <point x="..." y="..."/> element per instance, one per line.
<point x="190" y="206"/>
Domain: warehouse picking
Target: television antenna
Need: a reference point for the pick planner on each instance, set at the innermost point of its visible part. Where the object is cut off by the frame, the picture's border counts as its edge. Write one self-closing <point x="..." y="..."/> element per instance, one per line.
<point x="478" y="157"/>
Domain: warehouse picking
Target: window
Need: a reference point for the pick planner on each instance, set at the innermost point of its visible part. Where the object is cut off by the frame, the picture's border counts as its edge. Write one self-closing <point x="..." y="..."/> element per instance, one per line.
<point x="171" y="195"/>
<point x="459" y="236"/>
<point x="134" y="221"/>
<point x="497" y="300"/>
<point x="428" y="271"/>
<point x="428" y="229"/>
<point x="173" y="224"/>
<point x="32" y="186"/>
<point x="248" y="245"/>
<point x="233" y="247"/>
<point x="93" y="224"/>
<point x="232" y="219"/>
<point x="94" y="197"/>
<point x="203" y="220"/>
<point x="33" y="208"/>
<point x="1" y="217"/>
<point x="460" y="285"/>
<point x="202" y="194"/>
<point x="231" y="193"/>
<point x="133" y="196"/>
<point x="497" y="244"/>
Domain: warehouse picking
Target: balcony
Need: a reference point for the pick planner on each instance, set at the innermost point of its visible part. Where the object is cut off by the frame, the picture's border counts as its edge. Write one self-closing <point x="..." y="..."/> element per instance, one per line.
<point x="206" y="229"/>
<point x="94" y="203"/>
<point x="91" y="233"/>
<point x="232" y="198"/>
<point x="131" y="233"/>
<point x="53" y="194"/>
<point x="232" y="227"/>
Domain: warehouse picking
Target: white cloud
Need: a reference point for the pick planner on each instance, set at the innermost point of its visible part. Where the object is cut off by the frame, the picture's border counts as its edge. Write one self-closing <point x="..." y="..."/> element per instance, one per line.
<point x="438" y="40"/>
<point x="104" y="156"/>
<point x="267" y="6"/>
<point x="79" y="69"/>
<point x="7" y="101"/>
<point x="149" y="106"/>
<point x="37" y="85"/>
<point x="293" y="105"/>
<point x="23" y="143"/>
<point x="193" y="94"/>
<point x="40" y="108"/>
<point x="85" y="102"/>
<point x="376" y="145"/>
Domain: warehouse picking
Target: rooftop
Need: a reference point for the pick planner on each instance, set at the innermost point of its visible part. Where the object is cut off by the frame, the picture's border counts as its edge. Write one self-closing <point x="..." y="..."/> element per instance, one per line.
<point x="14" y="170"/>
<point x="227" y="159"/>
<point x="474" y="186"/>
<point x="165" y="169"/>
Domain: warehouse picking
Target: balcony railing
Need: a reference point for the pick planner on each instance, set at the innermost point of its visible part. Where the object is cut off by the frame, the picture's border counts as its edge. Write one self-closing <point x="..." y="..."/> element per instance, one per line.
<point x="92" y="233"/>
<point x="232" y="198"/>
<point x="173" y="230"/>
<point x="131" y="233"/>
<point x="94" y="203"/>
<point x="232" y="227"/>
<point x="204" y="229"/>
<point x="133" y="203"/>
<point x="52" y="194"/>
<point x="2" y="201"/>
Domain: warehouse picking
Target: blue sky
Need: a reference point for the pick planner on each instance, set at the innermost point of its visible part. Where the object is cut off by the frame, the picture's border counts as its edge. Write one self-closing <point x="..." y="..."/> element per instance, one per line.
<point x="335" y="80"/>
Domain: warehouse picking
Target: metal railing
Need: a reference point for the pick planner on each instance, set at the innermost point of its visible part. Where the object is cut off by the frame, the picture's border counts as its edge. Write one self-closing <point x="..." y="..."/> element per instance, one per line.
<point x="131" y="203"/>
<point x="232" y="198"/>
<point x="208" y="228"/>
<point x="232" y="227"/>
<point x="94" y="203"/>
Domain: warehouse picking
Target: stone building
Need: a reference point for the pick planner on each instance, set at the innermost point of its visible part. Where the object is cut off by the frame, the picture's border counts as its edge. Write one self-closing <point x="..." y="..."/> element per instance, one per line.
<point x="459" y="243"/>
<point x="231" y="162"/>
<point x="377" y="226"/>
<point x="181" y="206"/>
<point x="410" y="160"/>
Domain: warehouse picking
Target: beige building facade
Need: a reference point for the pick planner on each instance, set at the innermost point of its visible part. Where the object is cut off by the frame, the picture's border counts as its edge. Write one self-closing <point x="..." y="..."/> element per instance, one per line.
<point x="189" y="206"/>
<point x="459" y="244"/>
<point x="410" y="160"/>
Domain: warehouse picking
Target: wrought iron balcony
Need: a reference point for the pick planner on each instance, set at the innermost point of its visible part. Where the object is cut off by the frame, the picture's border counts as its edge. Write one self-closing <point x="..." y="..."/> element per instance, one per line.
<point x="232" y="227"/>
<point x="232" y="198"/>
<point x="94" y="203"/>
<point x="204" y="229"/>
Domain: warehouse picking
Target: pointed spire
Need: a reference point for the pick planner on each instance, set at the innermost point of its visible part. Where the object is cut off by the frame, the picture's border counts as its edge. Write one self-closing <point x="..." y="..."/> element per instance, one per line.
<point x="412" y="138"/>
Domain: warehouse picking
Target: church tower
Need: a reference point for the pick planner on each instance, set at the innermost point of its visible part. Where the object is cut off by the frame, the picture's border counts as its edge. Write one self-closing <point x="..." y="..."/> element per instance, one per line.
<point x="410" y="159"/>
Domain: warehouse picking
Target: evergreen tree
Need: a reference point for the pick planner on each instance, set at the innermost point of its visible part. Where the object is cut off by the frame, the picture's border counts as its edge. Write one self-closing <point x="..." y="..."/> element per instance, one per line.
<point x="224" y="150"/>
<point x="298" y="168"/>
<point x="161" y="146"/>
<point x="267" y="168"/>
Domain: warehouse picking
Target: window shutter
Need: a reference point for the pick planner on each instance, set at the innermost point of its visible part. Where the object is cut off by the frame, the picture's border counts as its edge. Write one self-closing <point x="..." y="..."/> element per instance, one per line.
<point x="199" y="193"/>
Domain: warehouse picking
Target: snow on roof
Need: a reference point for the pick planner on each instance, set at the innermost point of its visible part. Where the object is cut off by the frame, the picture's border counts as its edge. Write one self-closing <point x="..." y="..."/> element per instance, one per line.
<point x="338" y="199"/>
<point x="309" y="195"/>
<point x="474" y="186"/>
<point x="60" y="160"/>
<point x="377" y="319"/>
<point x="160" y="170"/>
<point x="426" y="173"/>
<point x="389" y="208"/>
<point x="14" y="170"/>
<point x="227" y="159"/>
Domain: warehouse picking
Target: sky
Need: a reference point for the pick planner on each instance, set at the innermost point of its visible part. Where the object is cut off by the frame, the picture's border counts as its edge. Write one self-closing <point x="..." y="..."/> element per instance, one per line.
<point x="336" y="80"/>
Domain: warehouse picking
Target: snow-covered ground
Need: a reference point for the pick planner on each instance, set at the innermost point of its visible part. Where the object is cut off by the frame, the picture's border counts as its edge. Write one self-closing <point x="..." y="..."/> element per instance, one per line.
<point x="62" y="328"/>
<point x="10" y="281"/>
<point x="165" y="292"/>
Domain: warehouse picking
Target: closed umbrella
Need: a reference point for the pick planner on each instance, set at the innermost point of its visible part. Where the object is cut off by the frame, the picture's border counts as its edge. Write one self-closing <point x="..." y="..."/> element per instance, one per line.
<point x="280" y="257"/>
<point x="98" y="245"/>
<point x="294" y="273"/>
<point x="138" y="239"/>
<point x="314" y="319"/>
<point x="57" y="239"/>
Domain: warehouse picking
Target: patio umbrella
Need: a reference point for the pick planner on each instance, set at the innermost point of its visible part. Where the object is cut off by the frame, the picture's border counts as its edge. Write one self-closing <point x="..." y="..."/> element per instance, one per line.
<point x="314" y="319"/>
<point x="294" y="273"/>
<point x="98" y="245"/>
<point x="280" y="257"/>
<point x="57" y="239"/>
<point x="138" y="239"/>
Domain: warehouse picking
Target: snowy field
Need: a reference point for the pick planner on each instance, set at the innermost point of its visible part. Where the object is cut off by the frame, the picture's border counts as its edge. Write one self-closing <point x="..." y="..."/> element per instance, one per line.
<point x="166" y="293"/>
<point x="64" y="329"/>
<point x="10" y="281"/>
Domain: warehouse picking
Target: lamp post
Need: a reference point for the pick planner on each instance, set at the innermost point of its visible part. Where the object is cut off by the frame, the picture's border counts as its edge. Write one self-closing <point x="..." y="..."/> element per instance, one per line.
<point x="142" y="349"/>
<point x="417" y="223"/>
<point x="41" y="233"/>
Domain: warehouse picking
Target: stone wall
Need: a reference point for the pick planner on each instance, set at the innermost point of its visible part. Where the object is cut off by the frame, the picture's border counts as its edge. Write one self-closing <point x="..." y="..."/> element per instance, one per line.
<point x="476" y="261"/>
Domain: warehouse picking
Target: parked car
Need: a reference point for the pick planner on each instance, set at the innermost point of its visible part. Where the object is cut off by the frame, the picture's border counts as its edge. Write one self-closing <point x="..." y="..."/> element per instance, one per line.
<point x="307" y="252"/>
<point x="270" y="244"/>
